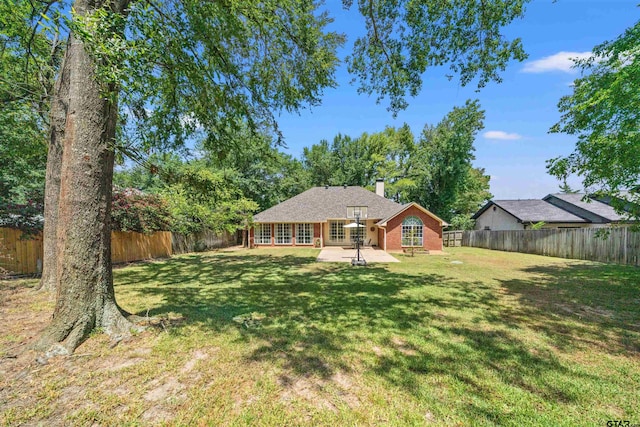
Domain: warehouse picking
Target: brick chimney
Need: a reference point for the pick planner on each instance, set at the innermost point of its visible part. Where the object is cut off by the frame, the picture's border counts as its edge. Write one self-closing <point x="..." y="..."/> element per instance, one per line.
<point x="380" y="187"/>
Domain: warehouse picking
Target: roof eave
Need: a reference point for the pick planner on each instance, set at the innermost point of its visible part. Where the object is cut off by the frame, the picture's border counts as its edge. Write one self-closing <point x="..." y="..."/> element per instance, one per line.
<point x="407" y="206"/>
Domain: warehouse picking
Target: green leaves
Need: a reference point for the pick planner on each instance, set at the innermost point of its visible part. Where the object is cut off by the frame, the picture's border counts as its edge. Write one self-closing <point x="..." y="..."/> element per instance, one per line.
<point x="445" y="152"/>
<point x="224" y="66"/>
<point x="28" y="59"/>
<point x="406" y="37"/>
<point x="603" y="113"/>
<point x="435" y="170"/>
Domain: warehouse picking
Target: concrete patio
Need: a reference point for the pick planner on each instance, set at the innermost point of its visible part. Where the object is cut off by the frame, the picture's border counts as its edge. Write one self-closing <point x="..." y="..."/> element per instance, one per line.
<point x="338" y="254"/>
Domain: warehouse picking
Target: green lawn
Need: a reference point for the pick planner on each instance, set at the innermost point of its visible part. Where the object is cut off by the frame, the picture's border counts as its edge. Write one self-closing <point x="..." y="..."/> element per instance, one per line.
<point x="270" y="337"/>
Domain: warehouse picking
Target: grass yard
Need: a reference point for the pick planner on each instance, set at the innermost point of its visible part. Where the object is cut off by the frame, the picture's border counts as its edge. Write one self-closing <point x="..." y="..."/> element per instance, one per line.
<point x="270" y="337"/>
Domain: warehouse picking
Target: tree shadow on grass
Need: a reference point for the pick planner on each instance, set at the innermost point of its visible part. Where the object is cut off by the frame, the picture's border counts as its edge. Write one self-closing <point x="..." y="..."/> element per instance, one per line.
<point x="412" y="331"/>
<point x="580" y="305"/>
<point x="307" y="312"/>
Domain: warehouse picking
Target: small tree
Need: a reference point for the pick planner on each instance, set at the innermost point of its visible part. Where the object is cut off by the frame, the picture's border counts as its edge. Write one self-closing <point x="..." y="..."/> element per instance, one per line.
<point x="411" y="237"/>
<point x="462" y="222"/>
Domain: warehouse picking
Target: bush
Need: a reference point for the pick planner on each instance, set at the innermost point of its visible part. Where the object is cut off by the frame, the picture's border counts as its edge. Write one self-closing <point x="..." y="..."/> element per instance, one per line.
<point x="25" y="217"/>
<point x="132" y="210"/>
<point x="461" y="222"/>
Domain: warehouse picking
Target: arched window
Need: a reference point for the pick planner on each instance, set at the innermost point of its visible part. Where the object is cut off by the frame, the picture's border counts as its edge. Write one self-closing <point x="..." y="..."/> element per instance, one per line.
<point x="412" y="231"/>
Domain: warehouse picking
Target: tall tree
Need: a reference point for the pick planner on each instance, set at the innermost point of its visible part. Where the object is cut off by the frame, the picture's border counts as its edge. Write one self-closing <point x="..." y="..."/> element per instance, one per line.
<point x="319" y="161"/>
<point x="351" y="157"/>
<point x="236" y="67"/>
<point x="396" y="169"/>
<point x="473" y="193"/>
<point x="190" y="66"/>
<point x="443" y="158"/>
<point x="435" y="171"/>
<point x="259" y="170"/>
<point x="30" y="54"/>
<point x="603" y="113"/>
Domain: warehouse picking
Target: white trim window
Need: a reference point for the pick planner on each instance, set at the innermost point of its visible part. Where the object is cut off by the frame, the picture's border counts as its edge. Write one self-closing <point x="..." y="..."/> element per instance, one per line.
<point x="304" y="234"/>
<point x="412" y="231"/>
<point x="262" y="234"/>
<point x="336" y="231"/>
<point x="283" y="234"/>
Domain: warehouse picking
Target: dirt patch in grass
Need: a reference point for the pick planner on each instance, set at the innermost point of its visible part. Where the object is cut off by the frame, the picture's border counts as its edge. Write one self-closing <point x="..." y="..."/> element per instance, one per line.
<point x="537" y="342"/>
<point x="402" y="346"/>
<point x="330" y="393"/>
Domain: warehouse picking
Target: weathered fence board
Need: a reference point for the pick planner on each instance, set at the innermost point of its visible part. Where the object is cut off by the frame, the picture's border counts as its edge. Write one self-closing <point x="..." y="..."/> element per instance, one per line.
<point x="620" y="245"/>
<point x="130" y="246"/>
<point x="19" y="256"/>
<point x="452" y="238"/>
<point x="24" y="256"/>
<point x="203" y="241"/>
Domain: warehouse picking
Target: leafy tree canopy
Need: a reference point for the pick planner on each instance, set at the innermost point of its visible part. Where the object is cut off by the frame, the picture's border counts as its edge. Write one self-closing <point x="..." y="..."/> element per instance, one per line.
<point x="28" y="62"/>
<point x="445" y="152"/>
<point x="434" y="170"/>
<point x="190" y="67"/>
<point x="177" y="68"/>
<point x="404" y="38"/>
<point x="603" y="113"/>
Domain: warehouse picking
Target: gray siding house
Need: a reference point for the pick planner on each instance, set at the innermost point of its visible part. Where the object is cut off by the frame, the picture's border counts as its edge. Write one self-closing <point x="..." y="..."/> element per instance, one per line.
<point x="554" y="210"/>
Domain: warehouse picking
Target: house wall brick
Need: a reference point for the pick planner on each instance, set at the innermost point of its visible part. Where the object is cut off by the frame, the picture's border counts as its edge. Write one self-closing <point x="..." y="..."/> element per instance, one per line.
<point x="431" y="232"/>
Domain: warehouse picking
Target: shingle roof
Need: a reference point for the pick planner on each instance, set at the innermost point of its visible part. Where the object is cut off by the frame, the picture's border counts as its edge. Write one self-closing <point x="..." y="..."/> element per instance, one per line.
<point x="594" y="206"/>
<point x="406" y="206"/>
<point x="533" y="210"/>
<point x="319" y="203"/>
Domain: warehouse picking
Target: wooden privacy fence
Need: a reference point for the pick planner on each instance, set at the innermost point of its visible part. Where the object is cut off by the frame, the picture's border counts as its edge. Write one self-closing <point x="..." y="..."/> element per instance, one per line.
<point x="24" y="256"/>
<point x="620" y="246"/>
<point x="131" y="246"/>
<point x="452" y="238"/>
<point x="203" y="241"/>
<point x="19" y="256"/>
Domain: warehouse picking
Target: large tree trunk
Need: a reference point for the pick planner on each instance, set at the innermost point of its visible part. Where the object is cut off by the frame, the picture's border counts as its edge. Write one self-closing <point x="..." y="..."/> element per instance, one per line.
<point x="59" y="109"/>
<point x="85" y="297"/>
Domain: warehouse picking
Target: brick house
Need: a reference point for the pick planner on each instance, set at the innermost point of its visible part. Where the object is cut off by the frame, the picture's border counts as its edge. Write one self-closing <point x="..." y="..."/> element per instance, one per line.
<point x="321" y="216"/>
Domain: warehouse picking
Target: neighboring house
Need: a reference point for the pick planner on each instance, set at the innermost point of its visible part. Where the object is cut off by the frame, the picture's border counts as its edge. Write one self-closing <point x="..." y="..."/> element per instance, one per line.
<point x="594" y="211"/>
<point x="554" y="210"/>
<point x="317" y="217"/>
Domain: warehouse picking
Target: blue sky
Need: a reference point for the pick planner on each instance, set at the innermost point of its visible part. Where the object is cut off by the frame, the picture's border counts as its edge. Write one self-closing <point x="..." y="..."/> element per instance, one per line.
<point x="515" y="144"/>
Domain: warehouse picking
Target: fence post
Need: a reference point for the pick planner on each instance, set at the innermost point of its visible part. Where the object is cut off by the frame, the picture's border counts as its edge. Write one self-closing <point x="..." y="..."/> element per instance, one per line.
<point x="622" y="245"/>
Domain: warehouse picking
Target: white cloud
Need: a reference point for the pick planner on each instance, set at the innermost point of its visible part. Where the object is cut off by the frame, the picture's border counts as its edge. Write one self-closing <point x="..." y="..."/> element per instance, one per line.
<point x="501" y="135"/>
<point x="561" y="61"/>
